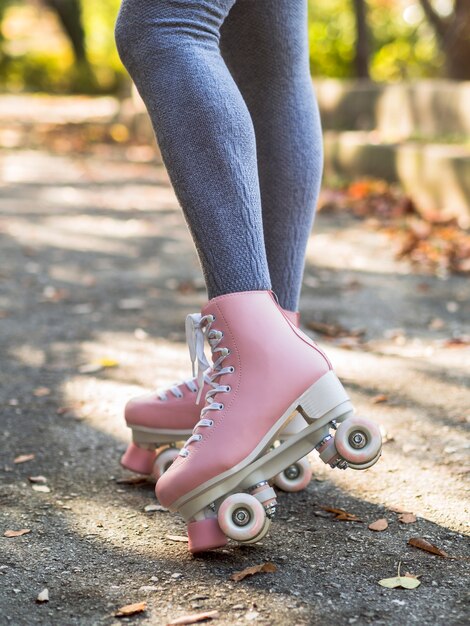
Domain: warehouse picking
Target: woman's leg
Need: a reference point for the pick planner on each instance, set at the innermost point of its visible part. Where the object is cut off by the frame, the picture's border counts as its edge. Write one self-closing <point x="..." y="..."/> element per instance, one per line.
<point x="205" y="132"/>
<point x="265" y="45"/>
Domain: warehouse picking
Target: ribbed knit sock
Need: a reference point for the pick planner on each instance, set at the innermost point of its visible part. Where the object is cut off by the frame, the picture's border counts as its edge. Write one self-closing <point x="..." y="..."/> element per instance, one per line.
<point x="219" y="152"/>
<point x="204" y="130"/>
<point x="265" y="45"/>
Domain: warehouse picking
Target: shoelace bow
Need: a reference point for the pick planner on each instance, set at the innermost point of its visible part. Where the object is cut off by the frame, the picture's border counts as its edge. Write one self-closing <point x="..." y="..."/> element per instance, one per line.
<point x="198" y="328"/>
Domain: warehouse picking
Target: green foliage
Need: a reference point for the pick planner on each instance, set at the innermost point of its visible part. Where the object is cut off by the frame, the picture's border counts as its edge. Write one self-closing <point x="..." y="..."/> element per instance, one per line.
<point x="400" y="48"/>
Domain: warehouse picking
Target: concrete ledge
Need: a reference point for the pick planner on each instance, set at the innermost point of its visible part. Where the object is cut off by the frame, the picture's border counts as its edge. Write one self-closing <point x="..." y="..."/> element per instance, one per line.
<point x="430" y="108"/>
<point x="437" y="176"/>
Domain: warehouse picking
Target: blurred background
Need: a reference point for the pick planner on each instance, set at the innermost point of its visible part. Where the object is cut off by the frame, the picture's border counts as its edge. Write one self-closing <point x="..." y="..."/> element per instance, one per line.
<point x="390" y="77"/>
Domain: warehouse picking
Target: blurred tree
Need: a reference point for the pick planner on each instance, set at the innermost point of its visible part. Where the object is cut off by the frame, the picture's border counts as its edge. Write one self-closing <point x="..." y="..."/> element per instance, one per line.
<point x="69" y="13"/>
<point x="362" y="39"/>
<point x="453" y="35"/>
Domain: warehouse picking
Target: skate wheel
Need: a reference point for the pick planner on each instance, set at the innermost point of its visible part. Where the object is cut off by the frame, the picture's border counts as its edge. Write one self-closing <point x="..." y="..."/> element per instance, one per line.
<point x="262" y="534"/>
<point x="241" y="517"/>
<point x="295" y="477"/>
<point x="358" y="442"/>
<point x="138" y="460"/>
<point x="163" y="461"/>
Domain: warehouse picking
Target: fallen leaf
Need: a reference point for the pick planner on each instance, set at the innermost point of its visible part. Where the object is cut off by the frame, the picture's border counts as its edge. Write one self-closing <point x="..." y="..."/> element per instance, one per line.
<point x="341" y="515"/>
<point x="194" y="618"/>
<point x="16" y="533"/>
<point x="41" y="391"/>
<point x="407" y="518"/>
<point x="181" y="538"/>
<point x="380" y="398"/>
<point x="379" y="525"/>
<point x="405" y="582"/>
<point x="131" y="609"/>
<point x="132" y="480"/>
<point x="37" y="479"/>
<point x="457" y="342"/>
<point x="62" y="410"/>
<point x="107" y="362"/>
<point x="41" y="488"/>
<point x="255" y="569"/>
<point x="333" y="330"/>
<point x="43" y="596"/>
<point x="23" y="458"/>
<point x="422" y="544"/>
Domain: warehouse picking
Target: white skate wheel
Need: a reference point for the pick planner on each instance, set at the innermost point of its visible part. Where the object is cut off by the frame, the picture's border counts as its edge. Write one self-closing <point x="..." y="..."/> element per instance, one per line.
<point x="241" y="517"/>
<point x="295" y="477"/>
<point x="263" y="533"/>
<point x="358" y="442"/>
<point x="163" y="461"/>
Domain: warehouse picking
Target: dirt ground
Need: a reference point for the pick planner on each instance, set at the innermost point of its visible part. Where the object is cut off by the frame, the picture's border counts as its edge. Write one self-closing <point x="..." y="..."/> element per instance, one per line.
<point x="97" y="274"/>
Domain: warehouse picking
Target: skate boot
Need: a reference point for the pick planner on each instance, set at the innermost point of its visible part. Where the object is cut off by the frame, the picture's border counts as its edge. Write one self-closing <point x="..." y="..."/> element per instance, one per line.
<point x="162" y="420"/>
<point x="265" y="371"/>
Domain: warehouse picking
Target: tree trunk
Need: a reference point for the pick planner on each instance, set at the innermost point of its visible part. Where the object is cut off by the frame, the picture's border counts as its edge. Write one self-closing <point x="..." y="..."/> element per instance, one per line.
<point x="69" y="13"/>
<point x="453" y="35"/>
<point x="362" y="39"/>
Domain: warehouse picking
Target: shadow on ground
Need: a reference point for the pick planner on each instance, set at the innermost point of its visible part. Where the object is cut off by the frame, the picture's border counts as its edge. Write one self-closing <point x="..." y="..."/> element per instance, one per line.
<point x="96" y="263"/>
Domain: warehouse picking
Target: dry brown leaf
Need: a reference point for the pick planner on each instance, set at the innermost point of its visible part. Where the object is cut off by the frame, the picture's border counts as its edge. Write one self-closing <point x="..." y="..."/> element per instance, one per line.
<point x="181" y="538"/>
<point x="41" y="391"/>
<point x="131" y="609"/>
<point x="380" y="398"/>
<point x="341" y="515"/>
<point x="62" y="410"/>
<point x="194" y="618"/>
<point x="457" y="342"/>
<point x="16" y="533"/>
<point x="132" y="480"/>
<point x="255" y="569"/>
<point x="379" y="525"/>
<point x="407" y="518"/>
<point x="23" y="458"/>
<point x="422" y="544"/>
<point x="334" y="330"/>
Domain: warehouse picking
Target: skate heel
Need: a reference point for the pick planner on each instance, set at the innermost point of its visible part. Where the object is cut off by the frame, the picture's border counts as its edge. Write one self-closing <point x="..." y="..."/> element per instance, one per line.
<point x="139" y="460"/>
<point x="326" y="398"/>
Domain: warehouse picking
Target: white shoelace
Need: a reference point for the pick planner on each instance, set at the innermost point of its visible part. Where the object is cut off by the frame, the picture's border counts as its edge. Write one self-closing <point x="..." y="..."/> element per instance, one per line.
<point x="197" y="329"/>
<point x="175" y="390"/>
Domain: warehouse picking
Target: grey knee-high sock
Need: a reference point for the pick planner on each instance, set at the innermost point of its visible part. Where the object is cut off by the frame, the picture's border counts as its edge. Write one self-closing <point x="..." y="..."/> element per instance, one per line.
<point x="265" y="45"/>
<point x="205" y="132"/>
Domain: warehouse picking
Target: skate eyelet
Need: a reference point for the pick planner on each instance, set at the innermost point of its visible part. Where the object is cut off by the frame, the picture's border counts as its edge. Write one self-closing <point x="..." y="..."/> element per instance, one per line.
<point x="211" y="422"/>
<point x="231" y="369"/>
<point x="221" y="407"/>
<point x="199" y="437"/>
<point x="228" y="388"/>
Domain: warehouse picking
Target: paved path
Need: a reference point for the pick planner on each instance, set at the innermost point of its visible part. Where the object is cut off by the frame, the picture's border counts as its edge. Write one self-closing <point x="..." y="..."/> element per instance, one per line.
<point x="96" y="263"/>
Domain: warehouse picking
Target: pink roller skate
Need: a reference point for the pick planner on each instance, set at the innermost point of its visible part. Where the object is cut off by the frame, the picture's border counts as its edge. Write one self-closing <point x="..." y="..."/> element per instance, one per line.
<point x="163" y="420"/>
<point x="265" y="371"/>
